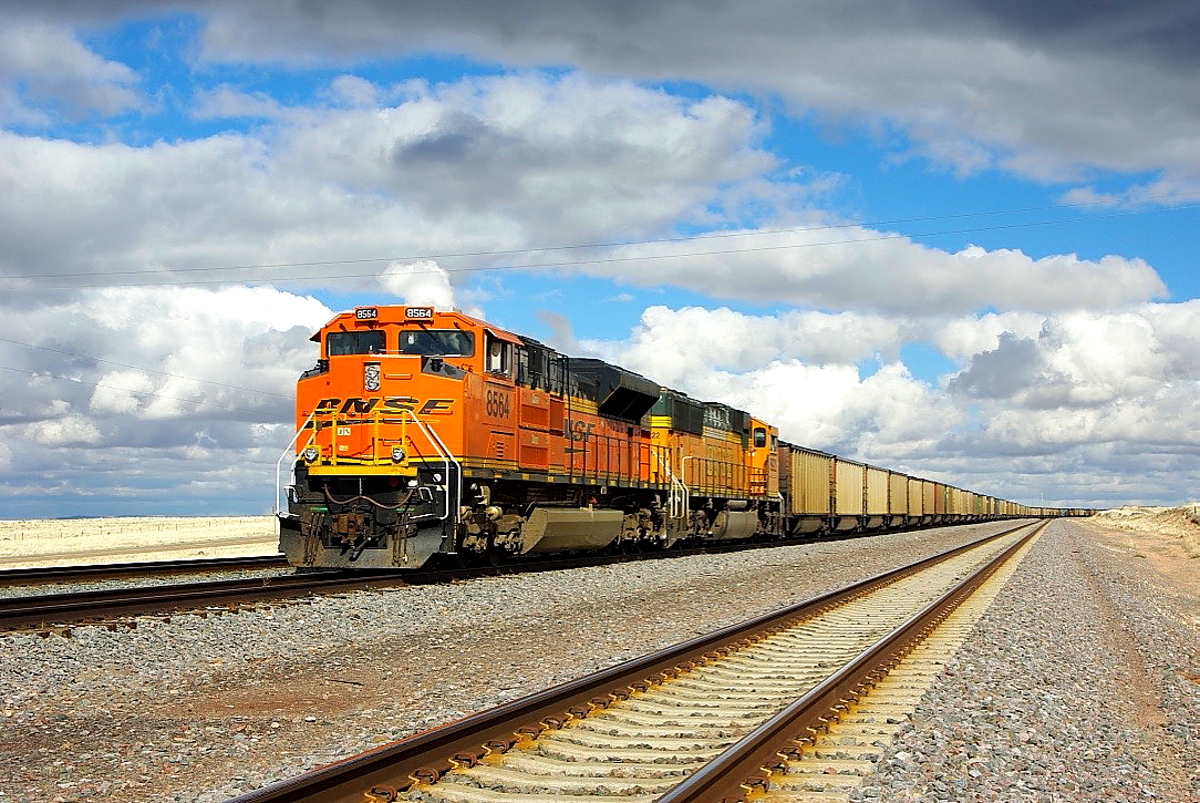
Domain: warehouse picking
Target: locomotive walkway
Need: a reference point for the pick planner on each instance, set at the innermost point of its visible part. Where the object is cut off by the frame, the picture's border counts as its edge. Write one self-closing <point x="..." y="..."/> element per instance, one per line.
<point x="698" y="721"/>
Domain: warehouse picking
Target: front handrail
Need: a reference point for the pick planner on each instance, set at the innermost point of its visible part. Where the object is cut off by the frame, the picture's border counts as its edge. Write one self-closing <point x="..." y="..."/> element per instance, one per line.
<point x="449" y="459"/>
<point x="290" y="449"/>
<point x="375" y="421"/>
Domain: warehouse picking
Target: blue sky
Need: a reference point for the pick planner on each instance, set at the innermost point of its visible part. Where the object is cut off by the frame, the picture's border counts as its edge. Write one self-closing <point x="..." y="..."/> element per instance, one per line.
<point x="941" y="237"/>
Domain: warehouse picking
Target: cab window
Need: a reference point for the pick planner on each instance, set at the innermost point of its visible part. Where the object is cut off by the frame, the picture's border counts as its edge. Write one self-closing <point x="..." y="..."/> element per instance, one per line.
<point x="437" y="342"/>
<point x="498" y="359"/>
<point x="341" y="343"/>
<point x="760" y="437"/>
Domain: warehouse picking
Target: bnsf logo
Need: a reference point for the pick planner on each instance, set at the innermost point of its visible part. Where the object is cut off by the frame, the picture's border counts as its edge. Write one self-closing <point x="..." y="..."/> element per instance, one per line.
<point x="393" y="404"/>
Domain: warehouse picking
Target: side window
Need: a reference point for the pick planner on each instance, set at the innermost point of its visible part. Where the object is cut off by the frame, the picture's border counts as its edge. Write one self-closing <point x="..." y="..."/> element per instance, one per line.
<point x="499" y="357"/>
<point x="760" y="437"/>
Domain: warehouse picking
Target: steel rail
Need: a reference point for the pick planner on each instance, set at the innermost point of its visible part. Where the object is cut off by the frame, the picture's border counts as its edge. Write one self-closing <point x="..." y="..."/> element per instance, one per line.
<point x="747" y="764"/>
<point x="386" y="771"/>
<point x="106" y="604"/>
<point x="104" y="571"/>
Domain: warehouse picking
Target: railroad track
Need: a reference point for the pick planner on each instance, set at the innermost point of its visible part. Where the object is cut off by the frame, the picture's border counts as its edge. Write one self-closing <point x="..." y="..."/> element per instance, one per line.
<point x="107" y="605"/>
<point x="705" y="720"/>
<point x="108" y="571"/>
<point x="51" y="611"/>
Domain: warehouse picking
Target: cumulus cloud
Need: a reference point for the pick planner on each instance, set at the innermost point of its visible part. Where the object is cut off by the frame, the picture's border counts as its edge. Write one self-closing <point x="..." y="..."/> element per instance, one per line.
<point x="46" y="72"/>
<point x="189" y="381"/>
<point x="1084" y="360"/>
<point x="1044" y="94"/>
<point x="868" y="269"/>
<point x="679" y="343"/>
<point x="73" y="430"/>
<point x="422" y="282"/>
<point x="538" y="161"/>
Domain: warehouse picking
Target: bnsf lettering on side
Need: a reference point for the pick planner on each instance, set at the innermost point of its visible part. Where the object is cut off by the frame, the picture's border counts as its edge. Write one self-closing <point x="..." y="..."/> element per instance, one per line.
<point x="359" y="406"/>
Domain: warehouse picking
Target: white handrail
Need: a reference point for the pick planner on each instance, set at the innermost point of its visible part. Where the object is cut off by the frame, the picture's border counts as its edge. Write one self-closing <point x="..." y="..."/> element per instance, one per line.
<point x="289" y="449"/>
<point x="445" y="454"/>
<point x="678" y="502"/>
<point x="433" y="437"/>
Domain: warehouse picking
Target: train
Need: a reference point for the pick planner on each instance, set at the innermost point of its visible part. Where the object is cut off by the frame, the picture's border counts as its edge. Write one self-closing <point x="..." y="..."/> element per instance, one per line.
<point x="425" y="435"/>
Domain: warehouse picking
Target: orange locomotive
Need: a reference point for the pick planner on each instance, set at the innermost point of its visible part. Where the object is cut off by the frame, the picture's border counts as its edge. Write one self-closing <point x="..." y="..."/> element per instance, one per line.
<point x="422" y="432"/>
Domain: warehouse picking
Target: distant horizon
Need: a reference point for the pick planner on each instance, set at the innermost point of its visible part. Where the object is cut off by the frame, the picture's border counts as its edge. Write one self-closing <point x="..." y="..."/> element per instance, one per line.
<point x="1168" y="506"/>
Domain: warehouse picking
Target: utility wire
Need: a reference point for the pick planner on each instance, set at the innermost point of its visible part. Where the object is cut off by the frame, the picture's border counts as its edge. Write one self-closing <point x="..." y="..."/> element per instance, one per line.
<point x="621" y="244"/>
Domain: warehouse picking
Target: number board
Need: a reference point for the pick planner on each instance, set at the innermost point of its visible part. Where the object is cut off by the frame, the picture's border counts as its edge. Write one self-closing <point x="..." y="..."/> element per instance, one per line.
<point x="418" y="313"/>
<point x="366" y="313"/>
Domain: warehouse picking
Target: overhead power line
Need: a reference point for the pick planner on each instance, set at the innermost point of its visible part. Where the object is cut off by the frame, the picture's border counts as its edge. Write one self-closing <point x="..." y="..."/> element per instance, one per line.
<point x="698" y="239"/>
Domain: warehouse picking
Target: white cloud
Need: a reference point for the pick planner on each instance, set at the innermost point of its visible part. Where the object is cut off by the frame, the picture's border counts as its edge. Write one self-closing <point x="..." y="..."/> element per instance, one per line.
<point x="865" y="269"/>
<point x="125" y="379"/>
<point x="45" y="67"/>
<point x="1043" y="100"/>
<point x="471" y="167"/>
<point x="422" y="282"/>
<point x="74" y="430"/>
<point x="686" y="342"/>
<point x="121" y="392"/>
<point x="1084" y="360"/>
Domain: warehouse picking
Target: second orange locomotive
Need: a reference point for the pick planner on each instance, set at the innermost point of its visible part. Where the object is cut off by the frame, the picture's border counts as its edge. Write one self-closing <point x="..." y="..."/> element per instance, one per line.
<point x="423" y="432"/>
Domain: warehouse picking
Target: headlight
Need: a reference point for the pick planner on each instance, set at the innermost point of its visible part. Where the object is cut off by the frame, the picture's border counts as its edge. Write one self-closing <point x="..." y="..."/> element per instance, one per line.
<point x="397" y="454"/>
<point x="311" y="453"/>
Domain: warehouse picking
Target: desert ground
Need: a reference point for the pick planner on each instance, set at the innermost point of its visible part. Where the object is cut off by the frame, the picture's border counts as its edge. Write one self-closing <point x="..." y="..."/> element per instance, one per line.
<point x="1166" y="537"/>
<point x="60" y="542"/>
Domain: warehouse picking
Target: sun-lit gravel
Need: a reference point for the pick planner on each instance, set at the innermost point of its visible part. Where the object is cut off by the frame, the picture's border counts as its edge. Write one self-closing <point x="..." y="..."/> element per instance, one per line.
<point x="204" y="708"/>
<point x="1080" y="685"/>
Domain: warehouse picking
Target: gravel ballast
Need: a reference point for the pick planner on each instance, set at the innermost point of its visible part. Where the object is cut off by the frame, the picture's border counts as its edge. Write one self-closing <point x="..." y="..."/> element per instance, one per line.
<point x="1079" y="684"/>
<point x="205" y="708"/>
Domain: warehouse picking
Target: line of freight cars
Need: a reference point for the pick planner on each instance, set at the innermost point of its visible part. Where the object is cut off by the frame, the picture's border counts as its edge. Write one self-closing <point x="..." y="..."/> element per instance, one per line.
<point x="824" y="493"/>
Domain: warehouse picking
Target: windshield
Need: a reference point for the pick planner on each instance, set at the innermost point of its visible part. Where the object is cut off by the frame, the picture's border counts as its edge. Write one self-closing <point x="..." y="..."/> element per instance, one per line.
<point x="339" y="343"/>
<point x="437" y="342"/>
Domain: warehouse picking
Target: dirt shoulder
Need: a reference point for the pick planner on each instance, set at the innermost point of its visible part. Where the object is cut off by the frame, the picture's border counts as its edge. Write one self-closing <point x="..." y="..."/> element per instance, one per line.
<point x="1167" y="539"/>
